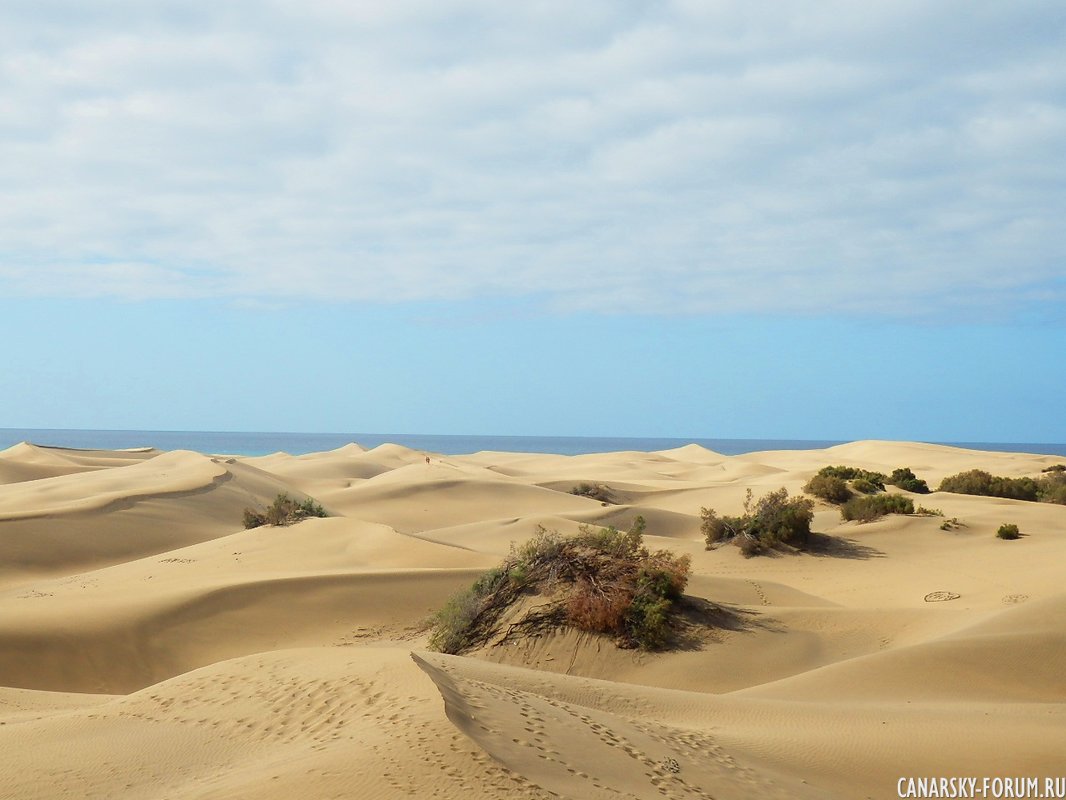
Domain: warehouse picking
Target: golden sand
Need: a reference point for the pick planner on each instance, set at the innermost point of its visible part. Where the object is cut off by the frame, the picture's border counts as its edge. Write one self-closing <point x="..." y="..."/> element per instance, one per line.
<point x="150" y="647"/>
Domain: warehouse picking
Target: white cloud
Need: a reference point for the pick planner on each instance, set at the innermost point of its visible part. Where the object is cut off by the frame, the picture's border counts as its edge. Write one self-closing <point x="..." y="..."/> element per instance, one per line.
<point x="671" y="157"/>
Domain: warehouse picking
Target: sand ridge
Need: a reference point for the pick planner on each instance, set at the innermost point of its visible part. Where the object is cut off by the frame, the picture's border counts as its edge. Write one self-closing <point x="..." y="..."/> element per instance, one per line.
<point x="152" y="647"/>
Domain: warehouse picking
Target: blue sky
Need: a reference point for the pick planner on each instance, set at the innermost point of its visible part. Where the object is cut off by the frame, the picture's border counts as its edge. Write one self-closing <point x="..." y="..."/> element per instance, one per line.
<point x="824" y="220"/>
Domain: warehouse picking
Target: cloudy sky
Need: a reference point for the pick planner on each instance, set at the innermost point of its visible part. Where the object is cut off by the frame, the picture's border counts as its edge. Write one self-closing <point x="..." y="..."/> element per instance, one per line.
<point x="530" y="210"/>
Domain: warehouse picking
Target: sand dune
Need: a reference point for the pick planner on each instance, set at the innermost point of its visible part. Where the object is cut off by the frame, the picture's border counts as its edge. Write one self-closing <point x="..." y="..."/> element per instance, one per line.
<point x="150" y="646"/>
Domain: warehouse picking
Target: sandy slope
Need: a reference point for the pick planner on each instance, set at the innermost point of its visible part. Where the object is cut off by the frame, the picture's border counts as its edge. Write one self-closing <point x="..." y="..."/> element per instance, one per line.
<point x="151" y="647"/>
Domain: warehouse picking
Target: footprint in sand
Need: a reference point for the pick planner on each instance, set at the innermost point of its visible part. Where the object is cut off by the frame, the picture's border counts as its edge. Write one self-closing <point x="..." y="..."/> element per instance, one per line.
<point x="1014" y="599"/>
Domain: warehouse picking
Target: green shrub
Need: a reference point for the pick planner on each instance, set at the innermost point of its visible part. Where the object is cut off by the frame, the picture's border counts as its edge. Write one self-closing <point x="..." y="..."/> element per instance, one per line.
<point x="1054" y="494"/>
<point x="774" y="519"/>
<point x="1052" y="489"/>
<point x="864" y="486"/>
<point x="952" y="524"/>
<point x="1008" y="531"/>
<point x="979" y="482"/>
<point x="283" y="511"/>
<point x="602" y="581"/>
<point x="594" y="491"/>
<point x="922" y="511"/>
<point x="828" y="487"/>
<point x="871" y="507"/>
<point x="1055" y="468"/>
<point x="854" y="473"/>
<point x="905" y="479"/>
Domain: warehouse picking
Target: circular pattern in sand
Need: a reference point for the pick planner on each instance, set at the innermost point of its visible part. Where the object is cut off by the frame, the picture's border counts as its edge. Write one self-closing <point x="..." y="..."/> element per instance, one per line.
<point x="940" y="597"/>
<point x="1014" y="599"/>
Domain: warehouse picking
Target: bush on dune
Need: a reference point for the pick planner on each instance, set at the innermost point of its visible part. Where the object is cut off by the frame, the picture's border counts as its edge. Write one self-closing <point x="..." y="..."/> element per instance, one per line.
<point x="594" y="491"/>
<point x="601" y="581"/>
<point x="283" y="511"/>
<point x="981" y="483"/>
<point x="828" y="487"/>
<point x="905" y="479"/>
<point x="864" y="486"/>
<point x="855" y="473"/>
<point x="1008" y="531"/>
<point x="773" y="520"/>
<point x="1052" y="489"/>
<point x="871" y="507"/>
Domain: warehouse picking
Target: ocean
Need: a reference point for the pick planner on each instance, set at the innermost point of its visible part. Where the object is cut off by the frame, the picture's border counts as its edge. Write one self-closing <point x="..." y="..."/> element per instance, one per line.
<point x="262" y="443"/>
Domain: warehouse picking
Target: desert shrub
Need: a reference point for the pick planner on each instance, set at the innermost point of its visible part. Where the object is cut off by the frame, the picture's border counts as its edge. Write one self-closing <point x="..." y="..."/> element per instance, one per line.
<point x="979" y="482"/>
<point x="613" y="542"/>
<point x="828" y="487"/>
<point x="1052" y="489"/>
<point x="1008" y="531"/>
<point x="922" y="511"/>
<point x="871" y="507"/>
<point x="453" y="624"/>
<point x="952" y="524"/>
<point x="855" y="473"/>
<point x="594" y="491"/>
<point x="1055" y="494"/>
<point x="720" y="529"/>
<point x="905" y="479"/>
<point x="774" y="519"/>
<point x="863" y="486"/>
<point x="602" y="581"/>
<point x="283" y="511"/>
<point x="1055" y="468"/>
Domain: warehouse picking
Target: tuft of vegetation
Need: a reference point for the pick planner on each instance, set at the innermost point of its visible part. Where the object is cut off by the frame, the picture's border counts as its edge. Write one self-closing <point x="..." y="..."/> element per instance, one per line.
<point x="905" y="479"/>
<point x="1055" y="468"/>
<point x="979" y="482"/>
<point x="1008" y="531"/>
<point x="922" y="511"/>
<point x="871" y="507"/>
<point x="283" y="511"/>
<point x="952" y="524"/>
<point x="1053" y="488"/>
<point x="864" y="486"/>
<point x="602" y="581"/>
<point x="594" y="491"/>
<point x="854" y="473"/>
<point x="828" y="487"/>
<point x="773" y="520"/>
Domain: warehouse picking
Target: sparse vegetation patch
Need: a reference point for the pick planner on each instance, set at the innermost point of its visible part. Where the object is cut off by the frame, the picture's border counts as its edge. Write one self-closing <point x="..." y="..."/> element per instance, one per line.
<point x="922" y="511"/>
<point x="283" y="511"/>
<point x="979" y="482"/>
<point x="905" y="479"/>
<point x="594" y="491"/>
<point x="602" y="581"/>
<point x="773" y="520"/>
<point x="1051" y="488"/>
<point x="871" y="507"/>
<point x="1008" y="531"/>
<point x="828" y="487"/>
<point x="854" y="473"/>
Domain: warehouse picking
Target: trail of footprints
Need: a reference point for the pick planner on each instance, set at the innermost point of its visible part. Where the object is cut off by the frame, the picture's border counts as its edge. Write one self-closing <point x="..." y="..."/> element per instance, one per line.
<point x="284" y="709"/>
<point x="663" y="771"/>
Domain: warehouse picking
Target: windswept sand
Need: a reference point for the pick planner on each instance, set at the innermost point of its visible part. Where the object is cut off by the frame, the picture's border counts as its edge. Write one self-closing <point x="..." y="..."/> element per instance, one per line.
<point x="150" y="647"/>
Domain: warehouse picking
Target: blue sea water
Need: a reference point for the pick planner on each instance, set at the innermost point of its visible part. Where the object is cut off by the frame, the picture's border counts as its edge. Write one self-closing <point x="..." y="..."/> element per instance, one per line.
<point x="254" y="444"/>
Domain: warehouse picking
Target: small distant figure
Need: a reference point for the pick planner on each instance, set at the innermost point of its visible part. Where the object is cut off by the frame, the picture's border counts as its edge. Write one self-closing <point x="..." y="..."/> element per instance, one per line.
<point x="427" y="459"/>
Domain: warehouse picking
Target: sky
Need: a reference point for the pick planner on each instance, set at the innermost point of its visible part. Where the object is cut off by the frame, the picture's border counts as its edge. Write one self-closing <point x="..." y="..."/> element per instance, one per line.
<point x="705" y="218"/>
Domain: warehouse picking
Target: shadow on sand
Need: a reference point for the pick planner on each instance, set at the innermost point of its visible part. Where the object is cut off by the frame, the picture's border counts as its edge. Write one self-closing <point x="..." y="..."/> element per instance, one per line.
<point x="699" y="622"/>
<point x="825" y="546"/>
